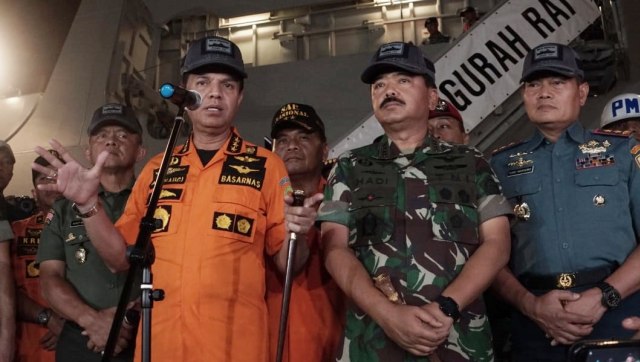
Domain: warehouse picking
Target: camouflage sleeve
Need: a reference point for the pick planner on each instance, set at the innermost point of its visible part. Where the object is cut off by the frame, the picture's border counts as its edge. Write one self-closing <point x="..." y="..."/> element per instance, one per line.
<point x="491" y="202"/>
<point x="337" y="195"/>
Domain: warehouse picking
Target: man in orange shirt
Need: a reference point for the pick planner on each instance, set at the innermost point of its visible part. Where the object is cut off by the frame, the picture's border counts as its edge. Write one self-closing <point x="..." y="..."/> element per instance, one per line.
<point x="223" y="211"/>
<point x="38" y="326"/>
<point x="316" y="309"/>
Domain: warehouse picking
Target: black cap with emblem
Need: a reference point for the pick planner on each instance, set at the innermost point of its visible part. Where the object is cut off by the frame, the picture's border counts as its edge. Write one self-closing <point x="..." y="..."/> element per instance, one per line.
<point x="398" y="56"/>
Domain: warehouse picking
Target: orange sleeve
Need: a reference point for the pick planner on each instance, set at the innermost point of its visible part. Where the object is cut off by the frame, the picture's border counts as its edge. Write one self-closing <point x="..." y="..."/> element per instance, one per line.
<point x="277" y="186"/>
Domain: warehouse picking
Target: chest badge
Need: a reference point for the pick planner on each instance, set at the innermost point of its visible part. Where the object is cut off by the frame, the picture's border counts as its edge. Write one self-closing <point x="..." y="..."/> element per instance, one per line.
<point x="522" y="211"/>
<point x="70" y="237"/>
<point x="599" y="200"/>
<point x="518" y="164"/>
<point x="81" y="255"/>
<point x="593" y="146"/>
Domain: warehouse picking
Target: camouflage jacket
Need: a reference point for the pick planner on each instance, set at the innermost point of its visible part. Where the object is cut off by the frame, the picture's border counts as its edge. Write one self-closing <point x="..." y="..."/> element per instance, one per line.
<point x="414" y="217"/>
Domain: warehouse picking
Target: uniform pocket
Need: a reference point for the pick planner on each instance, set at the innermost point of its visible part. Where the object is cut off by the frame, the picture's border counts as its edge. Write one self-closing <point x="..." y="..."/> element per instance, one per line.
<point x="599" y="176"/>
<point x="374" y="212"/>
<point x="455" y="214"/>
<point x="236" y="214"/>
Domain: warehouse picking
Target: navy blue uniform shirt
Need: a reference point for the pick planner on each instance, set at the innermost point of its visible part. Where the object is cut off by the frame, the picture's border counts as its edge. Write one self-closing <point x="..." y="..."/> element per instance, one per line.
<point x="583" y="199"/>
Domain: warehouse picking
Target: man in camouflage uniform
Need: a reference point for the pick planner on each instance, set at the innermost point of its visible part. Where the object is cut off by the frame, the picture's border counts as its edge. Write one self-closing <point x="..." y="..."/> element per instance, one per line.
<point x="425" y="219"/>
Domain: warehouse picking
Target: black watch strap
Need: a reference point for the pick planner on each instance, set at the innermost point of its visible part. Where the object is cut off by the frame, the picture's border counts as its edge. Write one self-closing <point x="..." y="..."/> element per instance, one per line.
<point x="449" y="307"/>
<point x="610" y="296"/>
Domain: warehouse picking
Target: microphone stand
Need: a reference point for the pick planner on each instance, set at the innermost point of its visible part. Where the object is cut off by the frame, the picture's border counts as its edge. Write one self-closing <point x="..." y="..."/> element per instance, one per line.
<point x="298" y="200"/>
<point x="142" y="255"/>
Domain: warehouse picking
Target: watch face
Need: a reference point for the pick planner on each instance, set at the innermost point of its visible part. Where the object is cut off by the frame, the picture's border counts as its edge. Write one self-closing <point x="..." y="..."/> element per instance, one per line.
<point x="612" y="298"/>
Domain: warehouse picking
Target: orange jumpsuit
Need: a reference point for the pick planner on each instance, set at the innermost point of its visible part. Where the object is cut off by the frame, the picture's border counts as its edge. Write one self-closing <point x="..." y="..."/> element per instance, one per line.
<point x="23" y="251"/>
<point x="219" y="222"/>
<point x="316" y="308"/>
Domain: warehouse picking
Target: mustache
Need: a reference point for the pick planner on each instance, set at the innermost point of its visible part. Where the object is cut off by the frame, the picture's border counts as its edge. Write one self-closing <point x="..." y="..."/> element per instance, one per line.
<point x="390" y="99"/>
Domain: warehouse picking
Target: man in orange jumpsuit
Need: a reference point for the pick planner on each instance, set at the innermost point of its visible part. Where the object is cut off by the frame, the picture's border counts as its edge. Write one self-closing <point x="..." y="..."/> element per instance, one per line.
<point x="38" y="326"/>
<point x="223" y="212"/>
<point x="315" y="311"/>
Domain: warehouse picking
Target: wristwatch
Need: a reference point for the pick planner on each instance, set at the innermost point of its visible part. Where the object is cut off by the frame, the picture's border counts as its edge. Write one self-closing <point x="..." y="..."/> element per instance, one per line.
<point x="92" y="211"/>
<point x="449" y="307"/>
<point x="43" y="317"/>
<point x="610" y="296"/>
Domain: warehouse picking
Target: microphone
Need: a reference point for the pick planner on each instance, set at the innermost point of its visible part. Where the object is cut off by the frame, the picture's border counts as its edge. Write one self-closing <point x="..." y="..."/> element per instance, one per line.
<point x="181" y="97"/>
<point x="298" y="200"/>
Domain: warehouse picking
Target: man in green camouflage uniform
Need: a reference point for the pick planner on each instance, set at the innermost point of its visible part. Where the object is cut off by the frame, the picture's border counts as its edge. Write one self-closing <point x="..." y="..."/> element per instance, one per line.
<point x="427" y="215"/>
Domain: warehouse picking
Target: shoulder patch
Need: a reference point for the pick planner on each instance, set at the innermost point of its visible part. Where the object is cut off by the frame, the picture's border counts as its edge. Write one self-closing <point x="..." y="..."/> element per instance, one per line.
<point x="506" y="147"/>
<point x="610" y="132"/>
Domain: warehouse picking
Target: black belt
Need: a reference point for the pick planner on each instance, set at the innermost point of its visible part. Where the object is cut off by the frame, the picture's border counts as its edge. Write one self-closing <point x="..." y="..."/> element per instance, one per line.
<point x="566" y="280"/>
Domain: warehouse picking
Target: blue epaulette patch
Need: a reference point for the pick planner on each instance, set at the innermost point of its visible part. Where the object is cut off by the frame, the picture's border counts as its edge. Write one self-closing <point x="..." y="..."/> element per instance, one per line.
<point x="508" y="146"/>
<point x="610" y="132"/>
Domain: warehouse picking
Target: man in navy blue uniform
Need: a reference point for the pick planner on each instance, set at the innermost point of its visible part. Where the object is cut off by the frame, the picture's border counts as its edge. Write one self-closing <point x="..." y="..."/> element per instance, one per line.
<point x="573" y="272"/>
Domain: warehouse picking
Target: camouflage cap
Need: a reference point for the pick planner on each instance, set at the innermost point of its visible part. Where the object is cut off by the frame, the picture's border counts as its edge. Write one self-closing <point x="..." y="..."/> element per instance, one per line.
<point x="398" y="56"/>
<point x="215" y="51"/>
<point x="551" y="58"/>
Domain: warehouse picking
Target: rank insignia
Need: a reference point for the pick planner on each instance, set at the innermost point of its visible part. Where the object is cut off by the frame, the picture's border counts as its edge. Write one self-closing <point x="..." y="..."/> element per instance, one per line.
<point x="237" y="224"/>
<point x="162" y="215"/>
<point x="32" y="271"/>
<point x="81" y="255"/>
<point x="235" y="144"/>
<point x="223" y="221"/>
<point x="518" y="165"/>
<point x="593" y="146"/>
<point x="243" y="226"/>
<point x="522" y="211"/>
<point x="599" y="200"/>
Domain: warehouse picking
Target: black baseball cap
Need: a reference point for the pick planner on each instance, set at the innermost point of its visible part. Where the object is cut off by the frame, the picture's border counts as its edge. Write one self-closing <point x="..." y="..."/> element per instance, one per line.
<point x="552" y="58"/>
<point x="297" y="115"/>
<point x="114" y="114"/>
<point x="398" y="56"/>
<point x="216" y="51"/>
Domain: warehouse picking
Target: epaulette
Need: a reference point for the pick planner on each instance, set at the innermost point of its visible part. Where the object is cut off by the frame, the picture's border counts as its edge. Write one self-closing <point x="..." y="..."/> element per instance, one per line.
<point x="327" y="165"/>
<point x="611" y="132"/>
<point x="506" y="147"/>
